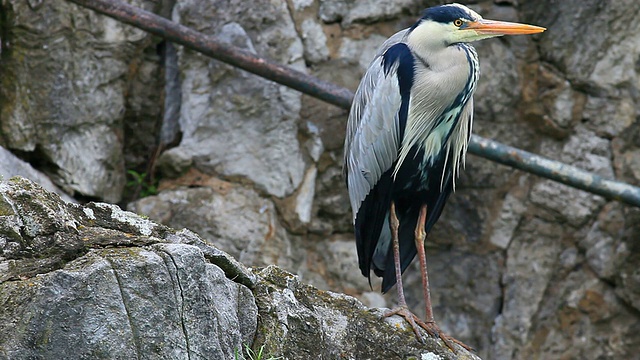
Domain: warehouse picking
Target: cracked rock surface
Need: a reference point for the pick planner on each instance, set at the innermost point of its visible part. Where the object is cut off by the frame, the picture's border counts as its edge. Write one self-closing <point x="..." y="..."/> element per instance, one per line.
<point x="298" y="321"/>
<point x="97" y="282"/>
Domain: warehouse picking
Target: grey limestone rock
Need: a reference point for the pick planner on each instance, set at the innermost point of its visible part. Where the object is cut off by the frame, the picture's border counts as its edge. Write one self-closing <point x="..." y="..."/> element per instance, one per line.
<point x="95" y="281"/>
<point x="63" y="92"/>
<point x="300" y="322"/>
<point x="11" y="165"/>
<point x="234" y="218"/>
<point x="236" y="124"/>
<point x="367" y="11"/>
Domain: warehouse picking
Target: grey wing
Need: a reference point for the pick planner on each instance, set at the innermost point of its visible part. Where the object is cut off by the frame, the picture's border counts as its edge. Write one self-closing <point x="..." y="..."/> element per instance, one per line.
<point x="365" y="90"/>
<point x="372" y="141"/>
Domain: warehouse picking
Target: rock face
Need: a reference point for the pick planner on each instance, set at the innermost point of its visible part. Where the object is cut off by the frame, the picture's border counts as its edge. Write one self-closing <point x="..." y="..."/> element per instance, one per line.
<point x="95" y="281"/>
<point x="98" y="282"/>
<point x="63" y="92"/>
<point x="249" y="232"/>
<point x="241" y="126"/>
<point x="521" y="267"/>
<point x="11" y="165"/>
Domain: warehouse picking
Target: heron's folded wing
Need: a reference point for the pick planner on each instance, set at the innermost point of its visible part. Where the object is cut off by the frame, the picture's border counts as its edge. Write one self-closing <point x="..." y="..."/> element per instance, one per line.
<point x="365" y="91"/>
<point x="375" y="134"/>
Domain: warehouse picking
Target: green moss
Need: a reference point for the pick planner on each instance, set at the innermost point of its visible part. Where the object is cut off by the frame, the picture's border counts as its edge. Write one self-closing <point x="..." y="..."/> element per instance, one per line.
<point x="5" y="208"/>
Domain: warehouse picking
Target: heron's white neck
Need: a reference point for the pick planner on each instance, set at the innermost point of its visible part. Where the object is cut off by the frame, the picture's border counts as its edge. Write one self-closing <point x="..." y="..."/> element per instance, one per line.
<point x="429" y="42"/>
<point x="443" y="76"/>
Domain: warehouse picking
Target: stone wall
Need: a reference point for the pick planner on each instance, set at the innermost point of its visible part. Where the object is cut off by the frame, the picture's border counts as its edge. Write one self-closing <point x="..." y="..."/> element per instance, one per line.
<point x="521" y="267"/>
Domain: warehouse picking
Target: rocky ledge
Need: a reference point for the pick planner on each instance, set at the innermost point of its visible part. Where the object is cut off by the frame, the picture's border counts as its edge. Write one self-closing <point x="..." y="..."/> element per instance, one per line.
<point x="94" y="281"/>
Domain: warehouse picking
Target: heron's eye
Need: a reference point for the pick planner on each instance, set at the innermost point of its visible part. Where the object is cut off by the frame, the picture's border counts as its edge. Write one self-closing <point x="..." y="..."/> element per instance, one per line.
<point x="457" y="22"/>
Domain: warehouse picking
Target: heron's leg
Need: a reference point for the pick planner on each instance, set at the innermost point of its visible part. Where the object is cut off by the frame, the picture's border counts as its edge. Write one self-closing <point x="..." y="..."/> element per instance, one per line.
<point x="420" y="235"/>
<point x="402" y="309"/>
<point x="429" y="325"/>
<point x="394" y="224"/>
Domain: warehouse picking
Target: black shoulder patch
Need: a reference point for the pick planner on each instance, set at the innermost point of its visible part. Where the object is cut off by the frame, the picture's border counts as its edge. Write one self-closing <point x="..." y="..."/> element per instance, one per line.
<point x="401" y="54"/>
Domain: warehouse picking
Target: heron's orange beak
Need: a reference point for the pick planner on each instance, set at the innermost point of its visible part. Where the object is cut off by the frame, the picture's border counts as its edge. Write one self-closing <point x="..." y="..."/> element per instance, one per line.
<point x="496" y="28"/>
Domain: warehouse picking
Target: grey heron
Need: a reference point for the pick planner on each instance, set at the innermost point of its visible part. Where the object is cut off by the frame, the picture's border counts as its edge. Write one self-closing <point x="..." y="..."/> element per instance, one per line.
<point x="407" y="136"/>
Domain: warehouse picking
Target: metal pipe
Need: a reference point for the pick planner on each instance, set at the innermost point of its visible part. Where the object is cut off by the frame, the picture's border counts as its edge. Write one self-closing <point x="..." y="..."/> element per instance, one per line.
<point x="212" y="47"/>
<point x="341" y="97"/>
<point x="554" y="170"/>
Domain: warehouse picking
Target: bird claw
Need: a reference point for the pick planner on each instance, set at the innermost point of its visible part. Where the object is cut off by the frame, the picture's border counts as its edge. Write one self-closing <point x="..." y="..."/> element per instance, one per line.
<point x="430" y="327"/>
<point x="410" y="317"/>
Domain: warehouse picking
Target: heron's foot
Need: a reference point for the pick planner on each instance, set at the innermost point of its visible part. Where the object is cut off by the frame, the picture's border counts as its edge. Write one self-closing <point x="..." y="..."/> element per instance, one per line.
<point x="429" y="326"/>
<point x="411" y="318"/>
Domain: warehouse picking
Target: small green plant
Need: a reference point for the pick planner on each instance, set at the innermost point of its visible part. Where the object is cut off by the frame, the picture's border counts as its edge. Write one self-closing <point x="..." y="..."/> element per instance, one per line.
<point x="249" y="354"/>
<point x="140" y="185"/>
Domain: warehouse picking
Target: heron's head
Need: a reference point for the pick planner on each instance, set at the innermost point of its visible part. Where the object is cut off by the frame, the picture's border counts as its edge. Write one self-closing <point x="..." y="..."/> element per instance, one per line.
<point x="455" y="23"/>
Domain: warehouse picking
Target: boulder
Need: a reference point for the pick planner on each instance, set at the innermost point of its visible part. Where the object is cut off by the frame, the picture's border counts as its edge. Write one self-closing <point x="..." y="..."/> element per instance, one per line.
<point x="99" y="282"/>
<point x="96" y="281"/>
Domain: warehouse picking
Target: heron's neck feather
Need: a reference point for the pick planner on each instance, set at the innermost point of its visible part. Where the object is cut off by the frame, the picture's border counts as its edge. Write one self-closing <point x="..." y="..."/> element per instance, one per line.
<point x="444" y="81"/>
